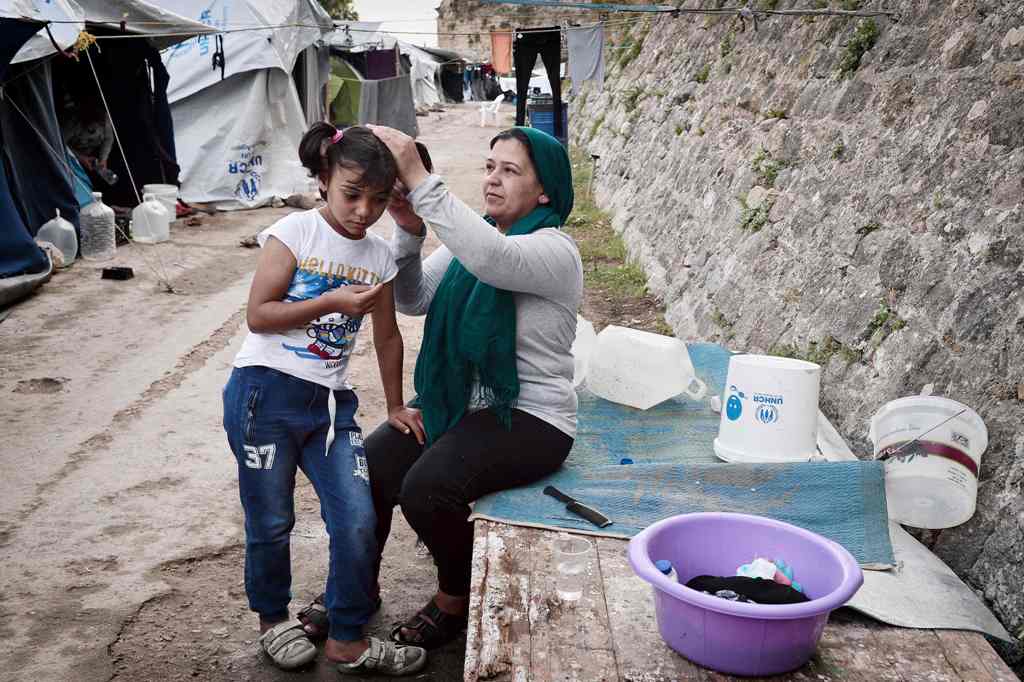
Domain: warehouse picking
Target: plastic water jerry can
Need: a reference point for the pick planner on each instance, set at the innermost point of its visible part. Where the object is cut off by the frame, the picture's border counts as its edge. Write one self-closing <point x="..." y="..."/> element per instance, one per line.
<point x="61" y="234"/>
<point x="151" y="223"/>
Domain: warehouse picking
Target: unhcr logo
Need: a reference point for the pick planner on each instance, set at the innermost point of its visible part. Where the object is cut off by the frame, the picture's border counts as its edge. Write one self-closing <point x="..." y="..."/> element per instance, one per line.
<point x="767" y="407"/>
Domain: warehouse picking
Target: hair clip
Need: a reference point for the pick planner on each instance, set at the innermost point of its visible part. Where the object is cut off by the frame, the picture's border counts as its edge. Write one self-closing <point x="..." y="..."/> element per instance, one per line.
<point x="337" y="136"/>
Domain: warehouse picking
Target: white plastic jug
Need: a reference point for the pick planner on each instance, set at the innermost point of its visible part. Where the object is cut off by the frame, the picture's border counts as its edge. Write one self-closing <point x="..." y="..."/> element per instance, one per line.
<point x="61" y="234"/>
<point x="932" y="449"/>
<point x="641" y="369"/>
<point x="771" y="410"/>
<point x="97" y="222"/>
<point x="582" y="350"/>
<point x="150" y="221"/>
<point x="166" y="194"/>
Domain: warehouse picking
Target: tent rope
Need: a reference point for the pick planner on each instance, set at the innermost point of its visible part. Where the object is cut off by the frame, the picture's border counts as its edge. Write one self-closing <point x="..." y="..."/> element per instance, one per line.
<point x="162" y="277"/>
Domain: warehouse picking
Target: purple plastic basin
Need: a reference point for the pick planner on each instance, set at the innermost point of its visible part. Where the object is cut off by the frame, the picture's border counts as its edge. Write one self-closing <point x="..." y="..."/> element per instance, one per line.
<point x="733" y="637"/>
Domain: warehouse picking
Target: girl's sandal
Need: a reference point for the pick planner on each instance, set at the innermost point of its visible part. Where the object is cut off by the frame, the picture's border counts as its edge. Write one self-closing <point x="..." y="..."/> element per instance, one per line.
<point x="287" y="645"/>
<point x="386" y="658"/>
<point x="431" y="628"/>
<point x="314" y="617"/>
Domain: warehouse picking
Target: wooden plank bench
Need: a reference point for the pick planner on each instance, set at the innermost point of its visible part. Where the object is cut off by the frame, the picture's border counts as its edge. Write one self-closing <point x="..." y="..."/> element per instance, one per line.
<point x="520" y="631"/>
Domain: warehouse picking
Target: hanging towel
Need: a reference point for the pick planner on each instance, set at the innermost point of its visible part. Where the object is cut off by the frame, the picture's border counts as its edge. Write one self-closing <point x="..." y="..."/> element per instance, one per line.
<point x="501" y="51"/>
<point x="586" y="54"/>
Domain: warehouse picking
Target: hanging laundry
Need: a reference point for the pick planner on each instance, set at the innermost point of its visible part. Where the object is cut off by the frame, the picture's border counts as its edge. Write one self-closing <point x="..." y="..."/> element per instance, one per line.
<point x="381" y="64"/>
<point x="586" y="54"/>
<point x="546" y="42"/>
<point x="501" y="51"/>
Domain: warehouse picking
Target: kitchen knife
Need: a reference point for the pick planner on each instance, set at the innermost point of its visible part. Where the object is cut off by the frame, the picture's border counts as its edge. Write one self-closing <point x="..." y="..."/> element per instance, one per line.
<point x="578" y="508"/>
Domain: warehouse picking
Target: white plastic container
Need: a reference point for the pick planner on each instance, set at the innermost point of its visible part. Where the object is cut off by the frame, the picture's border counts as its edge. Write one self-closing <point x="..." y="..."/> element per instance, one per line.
<point x="931" y="483"/>
<point x="150" y="221"/>
<point x="97" y="223"/>
<point x="771" y="410"/>
<point x="641" y="369"/>
<point x="582" y="350"/>
<point x="166" y="194"/>
<point x="61" y="234"/>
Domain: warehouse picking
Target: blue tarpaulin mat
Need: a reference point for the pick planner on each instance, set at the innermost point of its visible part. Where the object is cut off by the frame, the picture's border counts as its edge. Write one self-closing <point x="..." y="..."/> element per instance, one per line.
<point x="675" y="471"/>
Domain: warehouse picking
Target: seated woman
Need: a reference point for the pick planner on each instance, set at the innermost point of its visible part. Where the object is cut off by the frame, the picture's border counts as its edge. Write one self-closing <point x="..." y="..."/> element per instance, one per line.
<point x="494" y="373"/>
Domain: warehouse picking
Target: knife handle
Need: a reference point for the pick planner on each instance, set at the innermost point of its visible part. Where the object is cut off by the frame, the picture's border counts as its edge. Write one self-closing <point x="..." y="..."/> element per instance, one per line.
<point x="554" y="492"/>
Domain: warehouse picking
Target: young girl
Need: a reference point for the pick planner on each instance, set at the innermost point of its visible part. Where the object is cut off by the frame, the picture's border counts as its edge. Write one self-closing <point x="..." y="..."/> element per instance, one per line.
<point x="319" y="273"/>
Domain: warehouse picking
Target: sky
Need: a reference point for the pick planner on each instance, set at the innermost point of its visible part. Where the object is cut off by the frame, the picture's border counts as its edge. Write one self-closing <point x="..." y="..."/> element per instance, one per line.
<point x="402" y="15"/>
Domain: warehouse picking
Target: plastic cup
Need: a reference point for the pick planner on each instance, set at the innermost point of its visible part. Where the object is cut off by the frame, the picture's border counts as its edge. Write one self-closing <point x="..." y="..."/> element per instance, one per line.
<point x="573" y="556"/>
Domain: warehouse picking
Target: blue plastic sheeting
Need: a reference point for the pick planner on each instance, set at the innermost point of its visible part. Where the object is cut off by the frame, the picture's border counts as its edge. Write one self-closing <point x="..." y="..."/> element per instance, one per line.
<point x="34" y="152"/>
<point x="674" y="471"/>
<point x="18" y="251"/>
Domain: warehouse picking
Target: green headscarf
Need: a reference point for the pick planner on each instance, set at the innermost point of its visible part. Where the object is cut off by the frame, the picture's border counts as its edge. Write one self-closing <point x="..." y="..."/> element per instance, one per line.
<point x="470" y="332"/>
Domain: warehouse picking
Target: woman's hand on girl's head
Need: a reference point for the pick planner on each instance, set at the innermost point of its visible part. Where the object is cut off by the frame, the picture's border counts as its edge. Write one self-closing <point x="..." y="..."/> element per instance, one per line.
<point x="410" y="166"/>
<point x="408" y="420"/>
<point x="354" y="300"/>
<point x="402" y="213"/>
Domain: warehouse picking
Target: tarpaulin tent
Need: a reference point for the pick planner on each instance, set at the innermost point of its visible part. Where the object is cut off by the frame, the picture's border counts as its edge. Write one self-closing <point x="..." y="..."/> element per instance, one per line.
<point x="449" y="72"/>
<point x="385" y="101"/>
<point x="237" y="127"/>
<point x="18" y="252"/>
<point x="345" y="93"/>
<point x="359" y="100"/>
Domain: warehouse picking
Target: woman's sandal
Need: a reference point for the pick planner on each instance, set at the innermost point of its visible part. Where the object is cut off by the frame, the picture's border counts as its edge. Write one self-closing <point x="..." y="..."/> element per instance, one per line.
<point x="314" y="617"/>
<point x="386" y="658"/>
<point x="287" y="645"/>
<point x="432" y="627"/>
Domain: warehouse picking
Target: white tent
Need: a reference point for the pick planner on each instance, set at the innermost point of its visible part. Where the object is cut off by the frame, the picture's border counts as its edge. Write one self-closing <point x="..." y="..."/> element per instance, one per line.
<point x="237" y="132"/>
<point x="425" y="74"/>
<point x="140" y="17"/>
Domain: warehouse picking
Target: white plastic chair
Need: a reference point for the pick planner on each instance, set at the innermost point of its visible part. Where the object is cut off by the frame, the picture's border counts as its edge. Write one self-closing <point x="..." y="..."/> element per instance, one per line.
<point x="490" y="108"/>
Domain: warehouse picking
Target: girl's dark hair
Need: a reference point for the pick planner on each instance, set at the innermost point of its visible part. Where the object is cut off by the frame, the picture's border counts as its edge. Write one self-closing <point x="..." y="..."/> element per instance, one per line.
<point x="358" y="149"/>
<point x="518" y="136"/>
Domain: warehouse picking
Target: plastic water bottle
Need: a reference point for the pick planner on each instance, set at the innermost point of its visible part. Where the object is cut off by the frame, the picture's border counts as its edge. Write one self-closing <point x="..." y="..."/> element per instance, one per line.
<point x="97" y="221"/>
<point x="61" y="234"/>
<point x="666" y="568"/>
<point x="150" y="221"/>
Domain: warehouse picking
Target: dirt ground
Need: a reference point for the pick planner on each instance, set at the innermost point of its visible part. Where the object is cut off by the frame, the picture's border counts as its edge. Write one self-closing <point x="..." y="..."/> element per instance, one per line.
<point x="120" y="528"/>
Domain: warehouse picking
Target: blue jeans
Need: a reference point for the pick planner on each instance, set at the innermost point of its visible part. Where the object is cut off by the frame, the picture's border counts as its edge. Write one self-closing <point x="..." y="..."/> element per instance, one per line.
<point x="277" y="423"/>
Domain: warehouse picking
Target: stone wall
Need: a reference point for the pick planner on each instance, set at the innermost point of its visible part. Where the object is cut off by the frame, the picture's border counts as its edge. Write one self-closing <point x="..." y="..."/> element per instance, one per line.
<point x="785" y="198"/>
<point x="478" y="20"/>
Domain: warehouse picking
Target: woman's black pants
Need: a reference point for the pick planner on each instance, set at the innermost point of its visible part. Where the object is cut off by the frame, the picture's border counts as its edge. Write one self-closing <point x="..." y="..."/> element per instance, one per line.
<point x="435" y="485"/>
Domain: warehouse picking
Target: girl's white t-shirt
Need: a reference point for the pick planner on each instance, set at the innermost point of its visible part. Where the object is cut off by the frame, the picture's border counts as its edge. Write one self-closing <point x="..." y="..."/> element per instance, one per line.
<point x="319" y="350"/>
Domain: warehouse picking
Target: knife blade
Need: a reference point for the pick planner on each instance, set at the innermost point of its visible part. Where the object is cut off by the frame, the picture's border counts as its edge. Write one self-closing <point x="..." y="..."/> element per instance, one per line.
<point x="578" y="508"/>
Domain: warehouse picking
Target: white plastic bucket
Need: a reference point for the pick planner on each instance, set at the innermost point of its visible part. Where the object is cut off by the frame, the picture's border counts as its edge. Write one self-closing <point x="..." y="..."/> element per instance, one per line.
<point x="931" y="483"/>
<point x="166" y="195"/>
<point x="641" y="369"/>
<point x="771" y="410"/>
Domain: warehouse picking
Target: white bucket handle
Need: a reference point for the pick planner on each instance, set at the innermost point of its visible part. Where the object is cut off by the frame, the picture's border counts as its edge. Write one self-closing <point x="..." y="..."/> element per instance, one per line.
<point x="698" y="392"/>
